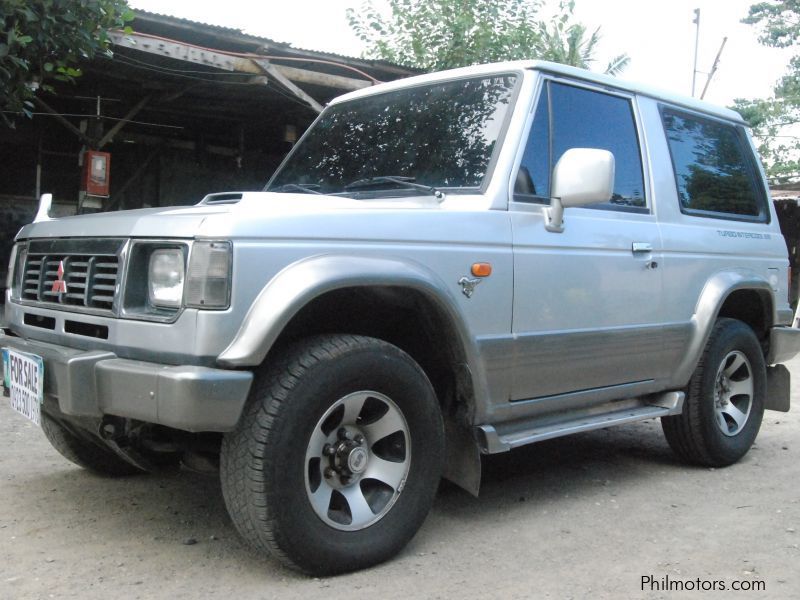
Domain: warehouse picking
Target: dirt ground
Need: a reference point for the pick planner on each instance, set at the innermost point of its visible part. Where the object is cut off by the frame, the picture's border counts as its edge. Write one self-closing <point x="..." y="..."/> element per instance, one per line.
<point x="579" y="517"/>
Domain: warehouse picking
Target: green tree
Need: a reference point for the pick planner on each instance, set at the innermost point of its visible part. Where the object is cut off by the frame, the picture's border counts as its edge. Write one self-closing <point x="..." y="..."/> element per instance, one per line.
<point x="772" y="119"/>
<point x="45" y="40"/>
<point x="566" y="42"/>
<point x="442" y="34"/>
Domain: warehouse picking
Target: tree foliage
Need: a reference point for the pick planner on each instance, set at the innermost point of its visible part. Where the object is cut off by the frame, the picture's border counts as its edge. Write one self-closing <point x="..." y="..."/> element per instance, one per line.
<point x="45" y="40"/>
<point x="563" y="41"/>
<point x="772" y="119"/>
<point x="443" y="34"/>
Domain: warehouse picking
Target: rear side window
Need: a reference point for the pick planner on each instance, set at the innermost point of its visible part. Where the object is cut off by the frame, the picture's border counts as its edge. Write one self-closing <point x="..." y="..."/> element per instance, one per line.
<point x="714" y="170"/>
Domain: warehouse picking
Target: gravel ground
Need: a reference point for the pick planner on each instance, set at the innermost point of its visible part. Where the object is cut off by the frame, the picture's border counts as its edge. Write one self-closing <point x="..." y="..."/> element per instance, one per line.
<point x="585" y="516"/>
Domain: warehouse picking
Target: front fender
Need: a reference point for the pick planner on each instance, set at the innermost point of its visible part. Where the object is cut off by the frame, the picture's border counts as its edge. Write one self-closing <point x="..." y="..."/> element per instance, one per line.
<point x="299" y="283"/>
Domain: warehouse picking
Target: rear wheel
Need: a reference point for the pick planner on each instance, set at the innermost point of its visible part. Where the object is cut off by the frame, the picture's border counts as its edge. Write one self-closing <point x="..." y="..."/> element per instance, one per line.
<point x="80" y="448"/>
<point x="725" y="399"/>
<point x="336" y="461"/>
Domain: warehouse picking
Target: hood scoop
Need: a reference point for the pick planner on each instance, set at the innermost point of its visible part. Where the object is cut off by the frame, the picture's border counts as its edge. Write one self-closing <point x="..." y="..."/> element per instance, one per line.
<point x="222" y="198"/>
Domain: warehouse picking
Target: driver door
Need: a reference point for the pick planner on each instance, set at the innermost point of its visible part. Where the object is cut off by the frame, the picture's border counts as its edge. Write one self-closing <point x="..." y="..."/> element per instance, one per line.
<point x="587" y="313"/>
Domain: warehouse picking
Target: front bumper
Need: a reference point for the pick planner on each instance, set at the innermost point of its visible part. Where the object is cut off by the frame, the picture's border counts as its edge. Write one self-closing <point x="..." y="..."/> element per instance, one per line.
<point x="96" y="382"/>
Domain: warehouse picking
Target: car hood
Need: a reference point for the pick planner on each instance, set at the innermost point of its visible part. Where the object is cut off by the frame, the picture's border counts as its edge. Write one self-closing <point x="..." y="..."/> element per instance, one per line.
<point x="261" y="211"/>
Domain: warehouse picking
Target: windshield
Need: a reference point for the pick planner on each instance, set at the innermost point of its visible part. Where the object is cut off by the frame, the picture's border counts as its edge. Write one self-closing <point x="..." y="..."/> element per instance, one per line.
<point x="441" y="135"/>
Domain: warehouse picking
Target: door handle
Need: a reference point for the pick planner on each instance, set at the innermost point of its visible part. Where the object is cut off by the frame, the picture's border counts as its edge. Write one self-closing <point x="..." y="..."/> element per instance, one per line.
<point x="641" y="247"/>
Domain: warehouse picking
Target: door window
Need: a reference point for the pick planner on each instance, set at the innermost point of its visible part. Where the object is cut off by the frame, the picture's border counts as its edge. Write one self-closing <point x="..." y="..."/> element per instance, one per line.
<point x="573" y="117"/>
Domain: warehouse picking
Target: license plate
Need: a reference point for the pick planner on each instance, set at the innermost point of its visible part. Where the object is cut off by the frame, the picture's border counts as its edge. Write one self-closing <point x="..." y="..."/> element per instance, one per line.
<point x="23" y="378"/>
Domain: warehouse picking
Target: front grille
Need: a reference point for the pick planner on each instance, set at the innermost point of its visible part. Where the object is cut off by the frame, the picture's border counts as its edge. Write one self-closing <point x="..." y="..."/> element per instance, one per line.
<point x="73" y="273"/>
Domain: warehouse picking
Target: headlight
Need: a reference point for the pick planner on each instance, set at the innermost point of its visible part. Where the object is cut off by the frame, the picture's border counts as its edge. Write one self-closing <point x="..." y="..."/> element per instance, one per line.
<point x="208" y="282"/>
<point x="165" y="278"/>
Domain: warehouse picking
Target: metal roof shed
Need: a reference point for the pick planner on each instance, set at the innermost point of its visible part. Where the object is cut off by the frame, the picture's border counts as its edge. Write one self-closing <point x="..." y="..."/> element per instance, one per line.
<point x="184" y="108"/>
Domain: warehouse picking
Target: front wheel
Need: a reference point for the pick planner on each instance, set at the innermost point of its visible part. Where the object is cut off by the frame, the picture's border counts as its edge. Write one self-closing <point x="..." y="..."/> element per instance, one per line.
<point x="725" y="399"/>
<point x="336" y="461"/>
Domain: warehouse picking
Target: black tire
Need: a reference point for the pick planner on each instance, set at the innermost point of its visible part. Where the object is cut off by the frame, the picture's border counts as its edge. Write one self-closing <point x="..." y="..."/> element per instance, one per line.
<point x="82" y="450"/>
<point x="706" y="433"/>
<point x="268" y="465"/>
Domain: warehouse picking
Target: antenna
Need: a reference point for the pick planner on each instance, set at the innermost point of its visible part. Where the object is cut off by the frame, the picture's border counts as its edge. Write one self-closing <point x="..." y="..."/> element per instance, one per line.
<point x="713" y="67"/>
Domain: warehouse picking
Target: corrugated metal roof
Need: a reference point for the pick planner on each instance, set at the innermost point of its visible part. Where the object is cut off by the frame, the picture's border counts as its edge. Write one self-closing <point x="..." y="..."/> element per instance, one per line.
<point x="241" y="37"/>
<point x="207" y="26"/>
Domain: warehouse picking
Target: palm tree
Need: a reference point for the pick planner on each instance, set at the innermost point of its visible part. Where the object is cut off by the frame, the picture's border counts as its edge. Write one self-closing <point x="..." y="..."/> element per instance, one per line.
<point x="570" y="46"/>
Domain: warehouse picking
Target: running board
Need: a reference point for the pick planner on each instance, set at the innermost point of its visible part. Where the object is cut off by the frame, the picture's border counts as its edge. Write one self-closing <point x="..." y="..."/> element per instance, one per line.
<point x="507" y="437"/>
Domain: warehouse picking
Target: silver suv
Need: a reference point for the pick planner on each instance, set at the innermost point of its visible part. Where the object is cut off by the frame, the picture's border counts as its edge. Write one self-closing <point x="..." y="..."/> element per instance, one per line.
<point x="446" y="266"/>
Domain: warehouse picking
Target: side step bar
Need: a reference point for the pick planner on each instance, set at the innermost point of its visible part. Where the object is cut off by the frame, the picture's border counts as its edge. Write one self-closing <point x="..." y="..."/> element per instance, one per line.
<point x="509" y="436"/>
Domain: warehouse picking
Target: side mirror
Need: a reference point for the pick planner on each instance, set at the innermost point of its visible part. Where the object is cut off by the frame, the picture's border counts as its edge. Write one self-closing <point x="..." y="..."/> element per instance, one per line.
<point x="581" y="176"/>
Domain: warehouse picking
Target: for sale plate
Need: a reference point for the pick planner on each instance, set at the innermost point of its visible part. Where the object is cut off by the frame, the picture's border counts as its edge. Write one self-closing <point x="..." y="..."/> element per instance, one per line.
<point x="23" y="378"/>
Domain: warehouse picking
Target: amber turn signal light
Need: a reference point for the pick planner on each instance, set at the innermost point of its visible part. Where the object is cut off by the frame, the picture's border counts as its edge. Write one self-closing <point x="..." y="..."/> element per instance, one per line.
<point x="481" y="269"/>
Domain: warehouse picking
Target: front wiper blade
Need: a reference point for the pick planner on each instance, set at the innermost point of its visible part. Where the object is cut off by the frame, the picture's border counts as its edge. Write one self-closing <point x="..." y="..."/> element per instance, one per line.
<point x="406" y="182"/>
<point x="307" y="188"/>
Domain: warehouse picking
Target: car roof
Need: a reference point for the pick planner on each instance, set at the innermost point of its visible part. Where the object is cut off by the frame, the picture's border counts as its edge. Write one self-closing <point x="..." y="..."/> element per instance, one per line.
<point x="613" y="83"/>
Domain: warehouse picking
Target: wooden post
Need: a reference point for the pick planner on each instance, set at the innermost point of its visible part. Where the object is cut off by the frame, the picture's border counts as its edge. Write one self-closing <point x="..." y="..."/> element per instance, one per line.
<point x="120" y="124"/>
<point x="270" y="69"/>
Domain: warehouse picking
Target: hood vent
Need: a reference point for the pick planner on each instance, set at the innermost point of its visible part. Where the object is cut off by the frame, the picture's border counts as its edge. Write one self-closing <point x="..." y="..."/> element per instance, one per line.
<point x="222" y="198"/>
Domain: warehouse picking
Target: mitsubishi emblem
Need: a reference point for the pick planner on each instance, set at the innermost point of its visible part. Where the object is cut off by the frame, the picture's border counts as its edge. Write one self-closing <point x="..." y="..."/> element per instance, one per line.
<point x="59" y="285"/>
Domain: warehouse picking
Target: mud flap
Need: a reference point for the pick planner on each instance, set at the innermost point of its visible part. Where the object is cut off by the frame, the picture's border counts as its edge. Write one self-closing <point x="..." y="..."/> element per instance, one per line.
<point x="778" y="386"/>
<point x="463" y="463"/>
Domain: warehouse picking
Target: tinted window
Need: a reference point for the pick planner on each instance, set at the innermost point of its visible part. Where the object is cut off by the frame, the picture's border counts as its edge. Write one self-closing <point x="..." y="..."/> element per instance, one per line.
<point x="441" y="135"/>
<point x="711" y="168"/>
<point x="533" y="178"/>
<point x="581" y="118"/>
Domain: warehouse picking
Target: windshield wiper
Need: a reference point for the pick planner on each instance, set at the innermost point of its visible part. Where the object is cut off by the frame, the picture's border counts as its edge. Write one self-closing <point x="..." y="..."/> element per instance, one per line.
<point x="306" y="188"/>
<point x="406" y="182"/>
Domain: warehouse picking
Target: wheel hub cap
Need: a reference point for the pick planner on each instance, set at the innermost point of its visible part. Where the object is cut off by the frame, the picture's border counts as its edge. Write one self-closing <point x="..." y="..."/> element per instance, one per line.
<point x="349" y="458"/>
<point x="357" y="460"/>
<point x="733" y="393"/>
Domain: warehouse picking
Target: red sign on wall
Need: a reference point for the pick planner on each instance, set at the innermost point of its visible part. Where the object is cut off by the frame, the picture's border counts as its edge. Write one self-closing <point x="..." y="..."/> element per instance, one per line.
<point x="96" y="178"/>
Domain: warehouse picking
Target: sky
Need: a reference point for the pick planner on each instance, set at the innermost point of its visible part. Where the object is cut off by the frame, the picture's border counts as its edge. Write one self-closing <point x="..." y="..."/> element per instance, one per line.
<point x="659" y="36"/>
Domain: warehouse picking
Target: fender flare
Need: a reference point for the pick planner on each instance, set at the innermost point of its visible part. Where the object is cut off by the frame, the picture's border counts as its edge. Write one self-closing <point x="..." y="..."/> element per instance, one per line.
<point x="716" y="291"/>
<point x="303" y="281"/>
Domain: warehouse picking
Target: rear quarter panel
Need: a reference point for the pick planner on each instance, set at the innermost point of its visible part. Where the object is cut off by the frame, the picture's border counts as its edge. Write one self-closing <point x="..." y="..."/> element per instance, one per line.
<point x="699" y="249"/>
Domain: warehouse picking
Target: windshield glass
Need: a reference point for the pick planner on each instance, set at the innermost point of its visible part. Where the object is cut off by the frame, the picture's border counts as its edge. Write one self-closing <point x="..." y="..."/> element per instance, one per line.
<point x="441" y="135"/>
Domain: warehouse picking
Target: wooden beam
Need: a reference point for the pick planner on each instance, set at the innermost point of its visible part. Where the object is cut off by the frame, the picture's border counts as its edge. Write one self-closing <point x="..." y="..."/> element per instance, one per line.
<point x="323" y="79"/>
<point x="124" y="121"/>
<point x="82" y="136"/>
<point x="271" y="70"/>
<point x="152" y="140"/>
<point x="183" y="51"/>
<point x="228" y="62"/>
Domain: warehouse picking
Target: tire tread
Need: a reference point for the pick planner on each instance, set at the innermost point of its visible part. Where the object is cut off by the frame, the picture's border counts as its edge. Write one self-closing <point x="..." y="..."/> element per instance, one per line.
<point x="243" y="482"/>
<point x="684" y="432"/>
